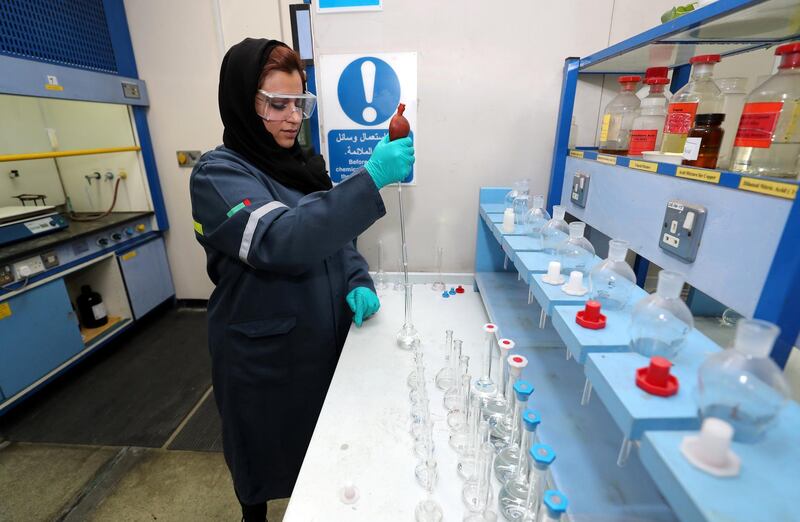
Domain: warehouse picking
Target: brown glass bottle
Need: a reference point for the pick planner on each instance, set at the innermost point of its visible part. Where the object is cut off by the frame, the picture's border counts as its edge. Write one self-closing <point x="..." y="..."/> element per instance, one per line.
<point x="708" y="128"/>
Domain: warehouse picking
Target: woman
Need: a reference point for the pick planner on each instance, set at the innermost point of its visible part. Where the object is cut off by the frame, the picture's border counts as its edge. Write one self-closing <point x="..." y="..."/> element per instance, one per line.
<point x="279" y="248"/>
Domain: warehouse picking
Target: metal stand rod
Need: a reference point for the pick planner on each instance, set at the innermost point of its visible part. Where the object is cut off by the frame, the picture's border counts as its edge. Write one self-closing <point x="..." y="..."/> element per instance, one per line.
<point x="587" y="391"/>
<point x="530" y="295"/>
<point x="542" y="319"/>
<point x="624" y="452"/>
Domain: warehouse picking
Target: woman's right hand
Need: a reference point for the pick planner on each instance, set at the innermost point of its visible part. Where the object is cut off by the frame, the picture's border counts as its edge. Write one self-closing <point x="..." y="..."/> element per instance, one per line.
<point x="391" y="161"/>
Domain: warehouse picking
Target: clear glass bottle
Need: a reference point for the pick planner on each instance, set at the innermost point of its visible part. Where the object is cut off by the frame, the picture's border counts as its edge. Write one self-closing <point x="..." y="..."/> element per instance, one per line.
<point x="700" y="95"/>
<point x="648" y="127"/>
<point x="734" y="93"/>
<point x="742" y="385"/>
<point x="555" y="231"/>
<point x="576" y="253"/>
<point x="768" y="138"/>
<point x="618" y="117"/>
<point x="536" y="218"/>
<point x="612" y="280"/>
<point x="542" y="456"/>
<point x="512" y="496"/>
<point x="506" y="461"/>
<point x="520" y="188"/>
<point x="661" y="322"/>
<point x="521" y="206"/>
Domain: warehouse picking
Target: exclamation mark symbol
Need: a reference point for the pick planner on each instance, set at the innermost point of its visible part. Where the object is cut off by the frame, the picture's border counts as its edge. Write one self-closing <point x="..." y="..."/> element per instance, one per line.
<point x="368" y="80"/>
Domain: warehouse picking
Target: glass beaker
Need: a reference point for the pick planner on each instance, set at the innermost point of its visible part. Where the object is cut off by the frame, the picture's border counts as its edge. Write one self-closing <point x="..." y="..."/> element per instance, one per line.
<point x="742" y="385"/>
<point x="576" y="253"/>
<point x="612" y="280"/>
<point x="661" y="322"/>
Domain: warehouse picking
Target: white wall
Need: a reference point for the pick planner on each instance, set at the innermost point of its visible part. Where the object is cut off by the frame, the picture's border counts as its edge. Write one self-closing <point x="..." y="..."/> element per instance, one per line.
<point x="489" y="81"/>
<point x="489" y="84"/>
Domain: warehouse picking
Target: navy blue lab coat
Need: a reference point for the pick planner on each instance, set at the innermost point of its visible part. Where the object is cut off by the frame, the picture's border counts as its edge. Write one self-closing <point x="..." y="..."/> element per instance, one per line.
<point x="282" y="263"/>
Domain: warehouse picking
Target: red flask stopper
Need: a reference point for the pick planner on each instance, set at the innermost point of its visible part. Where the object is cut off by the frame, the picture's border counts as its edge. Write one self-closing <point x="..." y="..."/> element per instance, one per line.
<point x="590" y="317"/>
<point x="656" y="379"/>
<point x="460" y="289"/>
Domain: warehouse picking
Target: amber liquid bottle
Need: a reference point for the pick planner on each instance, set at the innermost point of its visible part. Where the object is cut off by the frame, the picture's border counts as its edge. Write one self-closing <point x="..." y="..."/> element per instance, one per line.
<point x="708" y="131"/>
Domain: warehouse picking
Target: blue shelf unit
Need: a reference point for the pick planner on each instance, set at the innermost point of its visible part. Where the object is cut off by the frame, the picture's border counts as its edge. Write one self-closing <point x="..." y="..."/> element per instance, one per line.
<point x="749" y="260"/>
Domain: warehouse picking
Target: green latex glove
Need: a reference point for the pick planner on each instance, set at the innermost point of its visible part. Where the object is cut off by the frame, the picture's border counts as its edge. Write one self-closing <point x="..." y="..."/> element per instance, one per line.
<point x="363" y="302"/>
<point x="391" y="161"/>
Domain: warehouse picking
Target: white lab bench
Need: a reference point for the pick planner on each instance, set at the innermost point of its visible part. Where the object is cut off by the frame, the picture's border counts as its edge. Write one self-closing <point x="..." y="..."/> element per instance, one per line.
<point x="363" y="434"/>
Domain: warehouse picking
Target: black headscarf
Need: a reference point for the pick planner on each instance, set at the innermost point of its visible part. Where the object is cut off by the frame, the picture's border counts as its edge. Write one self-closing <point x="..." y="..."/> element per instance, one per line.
<point x="244" y="129"/>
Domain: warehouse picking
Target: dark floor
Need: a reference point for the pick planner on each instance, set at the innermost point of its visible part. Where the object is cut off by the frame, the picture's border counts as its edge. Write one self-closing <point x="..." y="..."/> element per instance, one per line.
<point x="132" y="433"/>
<point x="135" y="392"/>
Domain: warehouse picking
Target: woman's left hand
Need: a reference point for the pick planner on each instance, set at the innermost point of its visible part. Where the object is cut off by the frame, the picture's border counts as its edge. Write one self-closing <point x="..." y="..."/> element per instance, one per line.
<point x="363" y="302"/>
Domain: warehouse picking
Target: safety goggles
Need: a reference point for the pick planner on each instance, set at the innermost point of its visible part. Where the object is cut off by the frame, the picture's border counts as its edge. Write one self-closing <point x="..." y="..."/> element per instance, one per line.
<point x="280" y="107"/>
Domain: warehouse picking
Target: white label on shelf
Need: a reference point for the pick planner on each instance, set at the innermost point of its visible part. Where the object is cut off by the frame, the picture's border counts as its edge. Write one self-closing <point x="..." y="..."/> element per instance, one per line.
<point x="99" y="311"/>
<point x="692" y="148"/>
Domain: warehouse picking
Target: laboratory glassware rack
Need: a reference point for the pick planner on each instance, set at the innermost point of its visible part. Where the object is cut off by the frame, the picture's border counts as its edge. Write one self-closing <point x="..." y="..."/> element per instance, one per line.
<point x="749" y="259"/>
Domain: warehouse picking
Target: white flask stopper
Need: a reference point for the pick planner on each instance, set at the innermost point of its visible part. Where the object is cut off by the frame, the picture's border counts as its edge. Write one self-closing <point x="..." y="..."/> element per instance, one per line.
<point x="553" y="275"/>
<point x="710" y="450"/>
<point x="575" y="284"/>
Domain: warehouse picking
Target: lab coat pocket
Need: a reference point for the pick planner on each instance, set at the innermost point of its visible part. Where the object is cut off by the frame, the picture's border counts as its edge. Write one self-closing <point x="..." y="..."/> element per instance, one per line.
<point x="262" y="348"/>
<point x="264" y="327"/>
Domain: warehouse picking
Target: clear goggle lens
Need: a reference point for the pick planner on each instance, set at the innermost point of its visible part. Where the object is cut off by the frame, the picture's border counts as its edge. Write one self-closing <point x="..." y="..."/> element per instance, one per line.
<point x="275" y="106"/>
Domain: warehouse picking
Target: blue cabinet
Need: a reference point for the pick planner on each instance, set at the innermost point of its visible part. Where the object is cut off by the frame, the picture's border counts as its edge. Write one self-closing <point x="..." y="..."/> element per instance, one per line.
<point x="147" y="276"/>
<point x="38" y="332"/>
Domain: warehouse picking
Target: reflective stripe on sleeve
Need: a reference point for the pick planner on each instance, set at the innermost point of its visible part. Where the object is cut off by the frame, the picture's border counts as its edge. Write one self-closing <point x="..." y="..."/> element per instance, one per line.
<point x="252" y="223"/>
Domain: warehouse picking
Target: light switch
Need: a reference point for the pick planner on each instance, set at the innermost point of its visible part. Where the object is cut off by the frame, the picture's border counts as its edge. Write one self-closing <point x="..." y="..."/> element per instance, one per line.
<point x="689" y="222"/>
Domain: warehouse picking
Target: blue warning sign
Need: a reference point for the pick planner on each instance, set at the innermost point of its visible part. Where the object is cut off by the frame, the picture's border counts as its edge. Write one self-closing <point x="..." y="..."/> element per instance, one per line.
<point x="369" y="91"/>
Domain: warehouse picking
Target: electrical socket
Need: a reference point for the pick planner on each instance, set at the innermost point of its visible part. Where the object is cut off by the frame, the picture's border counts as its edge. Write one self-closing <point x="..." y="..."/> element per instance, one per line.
<point x="28" y="267"/>
<point x="580" y="189"/>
